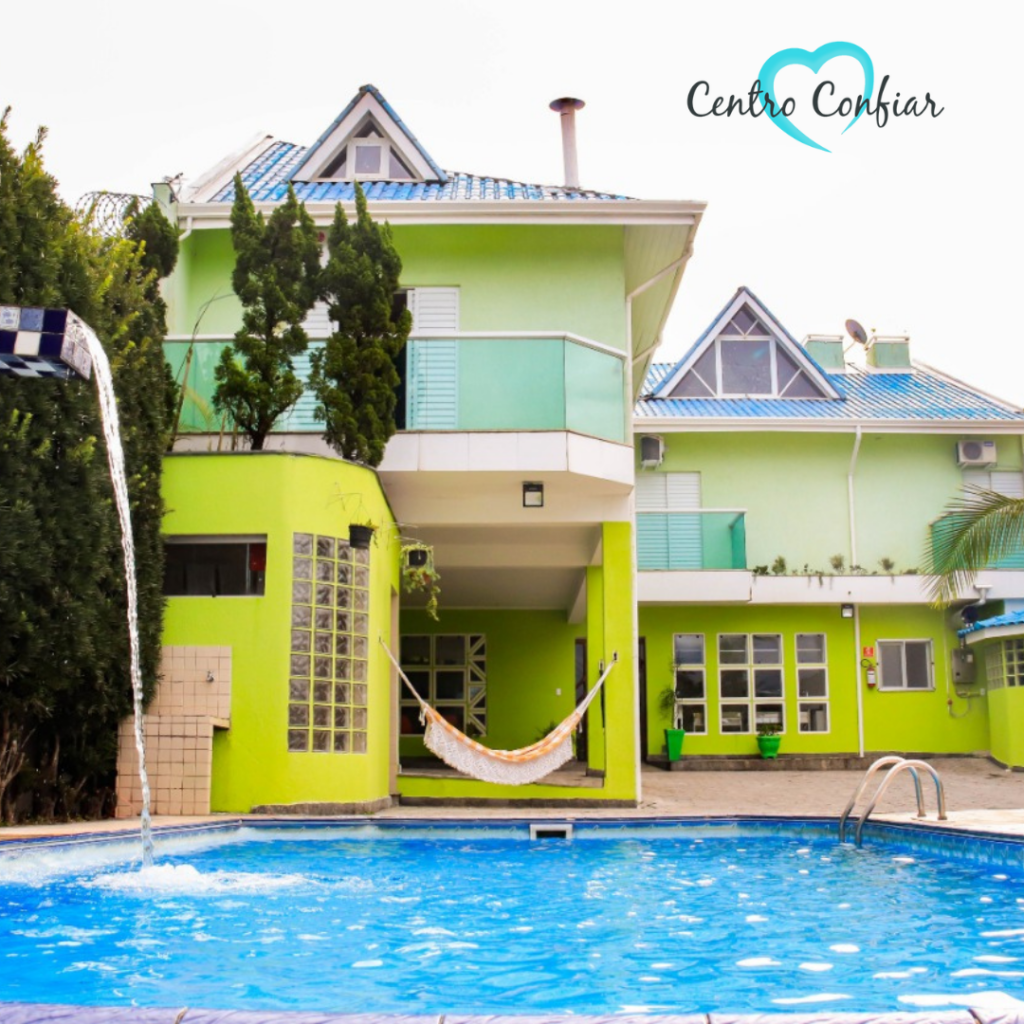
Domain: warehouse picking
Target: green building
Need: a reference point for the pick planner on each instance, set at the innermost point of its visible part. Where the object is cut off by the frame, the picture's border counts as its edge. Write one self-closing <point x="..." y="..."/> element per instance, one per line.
<point x="584" y="507"/>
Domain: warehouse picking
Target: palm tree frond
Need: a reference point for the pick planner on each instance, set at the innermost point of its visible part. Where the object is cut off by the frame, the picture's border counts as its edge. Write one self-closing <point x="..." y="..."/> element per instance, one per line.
<point x="979" y="529"/>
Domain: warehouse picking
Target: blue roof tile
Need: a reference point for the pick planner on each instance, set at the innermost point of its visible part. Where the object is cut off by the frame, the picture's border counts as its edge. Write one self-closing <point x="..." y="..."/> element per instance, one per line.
<point x="266" y="179"/>
<point x="920" y="394"/>
<point x="1009" y="619"/>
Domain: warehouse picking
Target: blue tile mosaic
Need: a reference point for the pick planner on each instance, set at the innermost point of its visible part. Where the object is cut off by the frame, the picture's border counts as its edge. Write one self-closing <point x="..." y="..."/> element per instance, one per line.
<point x="37" y="342"/>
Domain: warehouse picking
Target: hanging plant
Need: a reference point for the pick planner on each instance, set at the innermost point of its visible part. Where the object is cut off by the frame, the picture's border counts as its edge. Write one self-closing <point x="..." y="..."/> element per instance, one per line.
<point x="418" y="573"/>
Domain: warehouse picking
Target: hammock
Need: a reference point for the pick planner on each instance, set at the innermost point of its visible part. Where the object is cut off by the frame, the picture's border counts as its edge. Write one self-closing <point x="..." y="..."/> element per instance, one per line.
<point x="508" y="767"/>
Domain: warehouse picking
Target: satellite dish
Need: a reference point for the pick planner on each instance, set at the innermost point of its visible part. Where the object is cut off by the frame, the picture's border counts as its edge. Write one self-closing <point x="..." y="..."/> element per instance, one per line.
<point x="855" y="331"/>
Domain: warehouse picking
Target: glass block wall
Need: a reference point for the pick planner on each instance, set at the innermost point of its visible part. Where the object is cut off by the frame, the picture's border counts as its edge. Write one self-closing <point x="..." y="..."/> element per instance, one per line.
<point x="327" y="687"/>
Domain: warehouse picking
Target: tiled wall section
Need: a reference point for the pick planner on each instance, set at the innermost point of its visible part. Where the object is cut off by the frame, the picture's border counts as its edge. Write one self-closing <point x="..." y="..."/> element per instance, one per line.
<point x="185" y="688"/>
<point x="179" y="734"/>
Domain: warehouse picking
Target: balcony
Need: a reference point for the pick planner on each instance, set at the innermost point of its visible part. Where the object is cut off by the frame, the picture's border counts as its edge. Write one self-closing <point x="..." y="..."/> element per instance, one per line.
<point x="1013" y="561"/>
<point x="522" y="382"/>
<point x="704" y="539"/>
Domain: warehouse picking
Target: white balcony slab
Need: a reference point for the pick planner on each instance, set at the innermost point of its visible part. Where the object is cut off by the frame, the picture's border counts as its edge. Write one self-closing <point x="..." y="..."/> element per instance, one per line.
<point x="710" y="587"/>
<point x="693" y="587"/>
<point x="537" y="452"/>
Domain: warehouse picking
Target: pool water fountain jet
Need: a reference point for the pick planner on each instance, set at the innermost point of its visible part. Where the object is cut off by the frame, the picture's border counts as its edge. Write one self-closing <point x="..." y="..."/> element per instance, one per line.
<point x="115" y="460"/>
<point x="55" y="343"/>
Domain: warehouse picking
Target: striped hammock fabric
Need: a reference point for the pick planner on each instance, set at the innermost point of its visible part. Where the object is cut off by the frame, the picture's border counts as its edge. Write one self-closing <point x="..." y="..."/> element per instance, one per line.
<point x="507" y="767"/>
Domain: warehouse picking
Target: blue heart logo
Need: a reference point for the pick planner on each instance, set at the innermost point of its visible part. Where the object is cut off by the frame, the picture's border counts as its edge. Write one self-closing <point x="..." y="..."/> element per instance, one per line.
<point x="777" y="61"/>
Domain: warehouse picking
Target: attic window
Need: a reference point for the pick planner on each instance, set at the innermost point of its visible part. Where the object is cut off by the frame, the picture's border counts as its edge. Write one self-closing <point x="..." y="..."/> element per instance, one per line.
<point x="746" y="358"/>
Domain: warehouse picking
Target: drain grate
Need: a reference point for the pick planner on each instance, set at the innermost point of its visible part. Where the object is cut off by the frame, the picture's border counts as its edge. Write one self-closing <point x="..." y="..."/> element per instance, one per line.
<point x="551" y="831"/>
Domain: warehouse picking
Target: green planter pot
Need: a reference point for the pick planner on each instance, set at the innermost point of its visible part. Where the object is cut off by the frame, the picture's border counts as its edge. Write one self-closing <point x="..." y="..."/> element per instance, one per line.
<point x="769" y="745"/>
<point x="674" y="743"/>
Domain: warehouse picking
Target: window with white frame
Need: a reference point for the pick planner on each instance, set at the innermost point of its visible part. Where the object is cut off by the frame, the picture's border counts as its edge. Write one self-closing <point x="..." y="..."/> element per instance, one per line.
<point x="812" y="682"/>
<point x="367" y="156"/>
<point x="905" y="665"/>
<point x="688" y="658"/>
<point x="448" y="671"/>
<point x="746" y="359"/>
<point x="750" y="682"/>
<point x="1004" y="664"/>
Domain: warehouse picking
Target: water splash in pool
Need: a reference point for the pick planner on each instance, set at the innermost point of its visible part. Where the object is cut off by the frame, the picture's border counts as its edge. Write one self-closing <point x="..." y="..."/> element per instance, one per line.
<point x="115" y="459"/>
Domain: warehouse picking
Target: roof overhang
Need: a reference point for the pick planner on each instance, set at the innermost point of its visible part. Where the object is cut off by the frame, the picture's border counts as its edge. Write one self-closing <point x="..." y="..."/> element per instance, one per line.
<point x="681" y="215"/>
<point x="669" y="424"/>
<point x="977" y="636"/>
<point x="658" y="242"/>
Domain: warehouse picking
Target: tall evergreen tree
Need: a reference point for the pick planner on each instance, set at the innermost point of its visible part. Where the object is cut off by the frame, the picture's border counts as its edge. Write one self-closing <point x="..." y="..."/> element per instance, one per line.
<point x="354" y="375"/>
<point x="64" y="675"/>
<point x="276" y="272"/>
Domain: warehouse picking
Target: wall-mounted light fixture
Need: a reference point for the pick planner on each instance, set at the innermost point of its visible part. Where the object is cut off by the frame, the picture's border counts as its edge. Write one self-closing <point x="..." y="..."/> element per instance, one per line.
<point x="846" y="610"/>
<point x="533" y="495"/>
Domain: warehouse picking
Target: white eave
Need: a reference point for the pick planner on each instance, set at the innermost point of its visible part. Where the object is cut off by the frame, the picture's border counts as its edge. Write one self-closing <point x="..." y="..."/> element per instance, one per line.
<point x="626" y="212"/>
<point x="769" y="424"/>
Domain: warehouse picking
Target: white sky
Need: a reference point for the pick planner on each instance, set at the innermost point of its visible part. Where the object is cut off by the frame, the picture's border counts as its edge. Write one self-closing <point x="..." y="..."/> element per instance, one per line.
<point x="908" y="228"/>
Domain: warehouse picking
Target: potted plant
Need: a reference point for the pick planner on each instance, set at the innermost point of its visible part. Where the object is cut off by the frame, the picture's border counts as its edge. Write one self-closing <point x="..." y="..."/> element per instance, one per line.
<point x="675" y="733"/>
<point x="418" y="573"/>
<point x="768" y="739"/>
<point x="360" y="535"/>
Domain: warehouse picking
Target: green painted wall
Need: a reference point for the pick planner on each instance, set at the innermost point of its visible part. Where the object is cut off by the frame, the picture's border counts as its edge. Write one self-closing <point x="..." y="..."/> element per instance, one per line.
<point x="276" y="495"/>
<point x="919" y="721"/>
<point x="530" y="655"/>
<point x="533" y="649"/>
<point x="659" y="624"/>
<point x="524" y="278"/>
<point x="1006" y="710"/>
<point x="892" y="720"/>
<point x="794" y="487"/>
<point x="512" y="278"/>
<point x="199" y="293"/>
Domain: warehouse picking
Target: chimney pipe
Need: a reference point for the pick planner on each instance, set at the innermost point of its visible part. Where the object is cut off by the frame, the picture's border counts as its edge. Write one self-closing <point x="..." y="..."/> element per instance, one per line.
<point x="567" y="107"/>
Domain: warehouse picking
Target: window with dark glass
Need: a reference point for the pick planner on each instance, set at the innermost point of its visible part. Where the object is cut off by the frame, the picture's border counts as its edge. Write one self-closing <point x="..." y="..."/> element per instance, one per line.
<point x="214" y="568"/>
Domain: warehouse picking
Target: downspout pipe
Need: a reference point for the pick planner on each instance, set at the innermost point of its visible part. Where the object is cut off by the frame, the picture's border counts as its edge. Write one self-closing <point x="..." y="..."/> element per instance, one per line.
<point x="851" y="503"/>
<point x="856" y="608"/>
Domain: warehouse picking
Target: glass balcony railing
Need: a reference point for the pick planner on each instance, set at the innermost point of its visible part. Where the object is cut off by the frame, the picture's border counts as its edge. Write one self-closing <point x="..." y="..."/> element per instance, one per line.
<point x="1012" y="561"/>
<point x="514" y="383"/>
<point x="712" y="539"/>
<point x="465" y="384"/>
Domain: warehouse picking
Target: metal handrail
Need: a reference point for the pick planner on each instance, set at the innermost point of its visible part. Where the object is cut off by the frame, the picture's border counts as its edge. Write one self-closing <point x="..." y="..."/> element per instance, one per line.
<point x="940" y="794"/>
<point x="882" y="762"/>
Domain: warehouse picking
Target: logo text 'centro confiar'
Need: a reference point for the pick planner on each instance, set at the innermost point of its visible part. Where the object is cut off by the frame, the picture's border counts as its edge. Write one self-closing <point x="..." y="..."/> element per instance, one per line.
<point x="762" y="97"/>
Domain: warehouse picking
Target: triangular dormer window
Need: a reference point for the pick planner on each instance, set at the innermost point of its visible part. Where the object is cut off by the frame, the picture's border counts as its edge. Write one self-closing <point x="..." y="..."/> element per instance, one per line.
<point x="746" y="353"/>
<point x="368" y="142"/>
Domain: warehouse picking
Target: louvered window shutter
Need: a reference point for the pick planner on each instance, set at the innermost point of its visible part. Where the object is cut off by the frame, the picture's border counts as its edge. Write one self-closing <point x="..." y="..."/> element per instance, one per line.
<point x="434" y="310"/>
<point x="666" y="539"/>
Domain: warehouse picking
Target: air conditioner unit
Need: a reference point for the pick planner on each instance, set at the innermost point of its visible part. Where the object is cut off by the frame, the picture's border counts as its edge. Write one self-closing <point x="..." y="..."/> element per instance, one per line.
<point x="976" y="453"/>
<point x="652" y="451"/>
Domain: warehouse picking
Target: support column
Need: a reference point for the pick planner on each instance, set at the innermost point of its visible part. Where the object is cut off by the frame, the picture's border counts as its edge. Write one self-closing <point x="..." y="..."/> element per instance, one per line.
<point x="610" y="629"/>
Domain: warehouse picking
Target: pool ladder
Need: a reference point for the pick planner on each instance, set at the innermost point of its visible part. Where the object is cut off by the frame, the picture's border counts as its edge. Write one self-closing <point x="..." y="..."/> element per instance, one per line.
<point x="895" y="765"/>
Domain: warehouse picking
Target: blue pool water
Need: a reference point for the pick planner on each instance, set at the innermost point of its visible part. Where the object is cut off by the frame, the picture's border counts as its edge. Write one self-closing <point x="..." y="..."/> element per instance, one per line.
<point x="738" y="917"/>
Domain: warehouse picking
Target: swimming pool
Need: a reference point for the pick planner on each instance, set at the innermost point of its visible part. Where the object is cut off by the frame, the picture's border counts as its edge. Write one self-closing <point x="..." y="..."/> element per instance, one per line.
<point x="624" y="917"/>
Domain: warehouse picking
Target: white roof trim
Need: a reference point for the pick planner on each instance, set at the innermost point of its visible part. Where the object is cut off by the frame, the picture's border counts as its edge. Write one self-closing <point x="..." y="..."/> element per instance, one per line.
<point x="994" y="633"/>
<point x="743" y="298"/>
<point x="626" y="212"/>
<point x="321" y="154"/>
<point x="210" y="182"/>
<point x="646" y="424"/>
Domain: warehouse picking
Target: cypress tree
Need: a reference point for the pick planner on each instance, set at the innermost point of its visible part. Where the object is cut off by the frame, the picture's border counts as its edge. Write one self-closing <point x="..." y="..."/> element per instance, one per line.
<point x="276" y="272"/>
<point x="64" y="677"/>
<point x="354" y="376"/>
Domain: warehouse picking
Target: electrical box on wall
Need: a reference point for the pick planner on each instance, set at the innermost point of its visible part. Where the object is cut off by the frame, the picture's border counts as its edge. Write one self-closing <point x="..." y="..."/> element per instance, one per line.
<point x="963" y="663"/>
